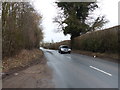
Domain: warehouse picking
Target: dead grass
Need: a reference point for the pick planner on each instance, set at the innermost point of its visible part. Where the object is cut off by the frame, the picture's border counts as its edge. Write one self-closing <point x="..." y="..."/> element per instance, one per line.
<point x="24" y="58"/>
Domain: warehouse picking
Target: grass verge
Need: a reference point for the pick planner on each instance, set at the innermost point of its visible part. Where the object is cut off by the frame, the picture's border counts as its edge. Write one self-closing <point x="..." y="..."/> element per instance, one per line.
<point x="22" y="60"/>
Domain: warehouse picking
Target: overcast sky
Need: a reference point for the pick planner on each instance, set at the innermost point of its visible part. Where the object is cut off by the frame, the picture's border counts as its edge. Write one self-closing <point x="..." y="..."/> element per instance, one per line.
<point x="48" y="10"/>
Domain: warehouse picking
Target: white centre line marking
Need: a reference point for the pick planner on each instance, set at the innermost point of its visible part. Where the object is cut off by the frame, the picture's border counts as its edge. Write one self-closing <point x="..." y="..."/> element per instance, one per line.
<point x="101" y="71"/>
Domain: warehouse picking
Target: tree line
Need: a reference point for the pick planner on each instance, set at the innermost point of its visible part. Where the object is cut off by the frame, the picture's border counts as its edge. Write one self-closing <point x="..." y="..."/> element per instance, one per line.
<point x="20" y="27"/>
<point x="102" y="41"/>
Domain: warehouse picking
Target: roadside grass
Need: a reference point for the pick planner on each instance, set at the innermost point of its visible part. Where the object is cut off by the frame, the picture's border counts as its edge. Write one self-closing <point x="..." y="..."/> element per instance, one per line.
<point x="21" y="60"/>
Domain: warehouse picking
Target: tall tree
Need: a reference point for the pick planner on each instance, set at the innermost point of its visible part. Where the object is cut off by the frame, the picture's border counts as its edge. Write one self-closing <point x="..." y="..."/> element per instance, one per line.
<point x="76" y="16"/>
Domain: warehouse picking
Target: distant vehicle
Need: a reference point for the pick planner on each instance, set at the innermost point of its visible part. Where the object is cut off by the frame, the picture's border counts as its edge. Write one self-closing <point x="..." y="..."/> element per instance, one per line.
<point x="64" y="49"/>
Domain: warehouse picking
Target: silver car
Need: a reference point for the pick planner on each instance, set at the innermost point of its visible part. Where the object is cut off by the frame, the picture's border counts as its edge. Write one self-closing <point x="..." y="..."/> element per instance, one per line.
<point x="64" y="49"/>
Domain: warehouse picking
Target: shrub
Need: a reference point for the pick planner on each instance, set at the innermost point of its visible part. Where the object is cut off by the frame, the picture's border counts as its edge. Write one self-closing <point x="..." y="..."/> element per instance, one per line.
<point x="99" y="41"/>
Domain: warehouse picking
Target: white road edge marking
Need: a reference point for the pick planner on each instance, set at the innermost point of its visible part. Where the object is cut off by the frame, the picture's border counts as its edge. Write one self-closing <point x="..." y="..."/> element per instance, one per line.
<point x="101" y="71"/>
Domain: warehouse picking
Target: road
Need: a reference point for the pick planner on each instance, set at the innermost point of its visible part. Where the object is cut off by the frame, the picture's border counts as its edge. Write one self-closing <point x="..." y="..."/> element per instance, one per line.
<point x="81" y="71"/>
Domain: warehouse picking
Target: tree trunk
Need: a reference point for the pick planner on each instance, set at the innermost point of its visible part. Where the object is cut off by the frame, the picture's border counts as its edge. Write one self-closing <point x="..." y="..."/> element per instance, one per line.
<point x="72" y="42"/>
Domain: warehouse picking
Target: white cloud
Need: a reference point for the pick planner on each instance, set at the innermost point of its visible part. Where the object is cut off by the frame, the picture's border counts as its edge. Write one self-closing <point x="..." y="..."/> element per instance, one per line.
<point x="48" y="11"/>
<point x="109" y="8"/>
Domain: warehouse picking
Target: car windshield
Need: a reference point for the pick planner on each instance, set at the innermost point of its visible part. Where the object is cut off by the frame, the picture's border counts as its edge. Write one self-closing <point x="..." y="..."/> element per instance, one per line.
<point x="65" y="47"/>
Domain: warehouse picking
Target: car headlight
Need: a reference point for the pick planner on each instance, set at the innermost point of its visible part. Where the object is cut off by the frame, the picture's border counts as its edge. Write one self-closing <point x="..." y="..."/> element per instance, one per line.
<point x="69" y="49"/>
<point x="62" y="49"/>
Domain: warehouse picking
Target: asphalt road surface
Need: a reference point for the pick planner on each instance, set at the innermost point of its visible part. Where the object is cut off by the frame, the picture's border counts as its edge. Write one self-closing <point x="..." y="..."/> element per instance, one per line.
<point x="81" y="71"/>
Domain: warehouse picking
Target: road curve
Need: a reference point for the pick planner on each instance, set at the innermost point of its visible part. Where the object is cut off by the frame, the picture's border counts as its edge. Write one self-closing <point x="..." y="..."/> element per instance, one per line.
<point x="81" y="71"/>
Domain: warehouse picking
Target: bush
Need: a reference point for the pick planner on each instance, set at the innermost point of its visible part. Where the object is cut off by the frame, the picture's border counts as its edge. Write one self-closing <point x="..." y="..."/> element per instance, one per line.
<point x="99" y="41"/>
<point x="20" y="28"/>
